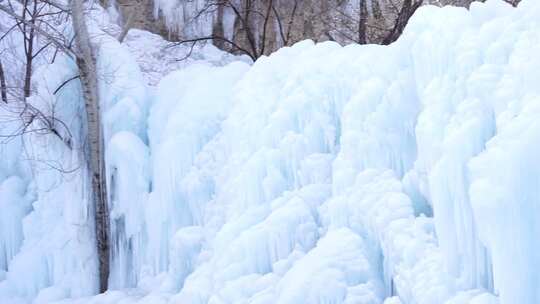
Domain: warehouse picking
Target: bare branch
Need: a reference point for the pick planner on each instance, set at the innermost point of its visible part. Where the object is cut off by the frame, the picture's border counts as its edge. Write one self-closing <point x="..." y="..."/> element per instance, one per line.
<point x="52" y="39"/>
<point x="201" y="39"/>
<point x="64" y="83"/>
<point x="189" y="52"/>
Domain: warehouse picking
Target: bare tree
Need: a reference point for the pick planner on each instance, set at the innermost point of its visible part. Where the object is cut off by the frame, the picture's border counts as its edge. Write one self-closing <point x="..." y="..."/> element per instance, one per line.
<point x="252" y="27"/>
<point x="88" y="74"/>
<point x="362" y="22"/>
<point x="262" y="26"/>
<point x="33" y="18"/>
<point x="405" y="13"/>
<point x="35" y="22"/>
<point x="30" y="25"/>
<point x="346" y="23"/>
<point x="285" y="29"/>
<point x="29" y="39"/>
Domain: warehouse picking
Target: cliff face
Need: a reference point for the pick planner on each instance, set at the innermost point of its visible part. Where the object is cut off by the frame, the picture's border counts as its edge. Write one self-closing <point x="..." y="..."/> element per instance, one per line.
<point x="262" y="26"/>
<point x="141" y="13"/>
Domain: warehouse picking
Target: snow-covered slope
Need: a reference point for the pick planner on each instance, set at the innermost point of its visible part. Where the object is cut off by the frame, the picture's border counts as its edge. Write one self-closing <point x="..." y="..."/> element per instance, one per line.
<point x="393" y="174"/>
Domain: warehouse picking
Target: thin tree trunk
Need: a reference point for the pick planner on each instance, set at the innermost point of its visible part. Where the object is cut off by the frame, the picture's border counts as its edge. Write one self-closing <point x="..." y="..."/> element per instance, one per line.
<point x="88" y="74"/>
<point x="217" y="28"/>
<point x="126" y="27"/>
<point x="28" y="70"/>
<point x="406" y="12"/>
<point x="29" y="48"/>
<point x="265" y="26"/>
<point x="362" y="23"/>
<point x="3" y="85"/>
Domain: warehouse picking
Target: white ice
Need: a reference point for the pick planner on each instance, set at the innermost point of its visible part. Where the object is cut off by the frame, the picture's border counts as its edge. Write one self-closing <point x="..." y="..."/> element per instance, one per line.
<point x="393" y="174"/>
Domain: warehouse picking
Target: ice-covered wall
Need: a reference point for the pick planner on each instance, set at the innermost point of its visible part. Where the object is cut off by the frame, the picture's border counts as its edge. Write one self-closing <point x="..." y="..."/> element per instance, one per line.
<point x="46" y="236"/>
<point x="391" y="145"/>
<point x="57" y="256"/>
<point x="325" y="174"/>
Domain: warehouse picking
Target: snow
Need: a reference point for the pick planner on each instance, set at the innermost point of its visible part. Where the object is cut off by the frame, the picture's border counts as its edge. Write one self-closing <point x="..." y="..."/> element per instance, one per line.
<point x="320" y="174"/>
<point x="157" y="57"/>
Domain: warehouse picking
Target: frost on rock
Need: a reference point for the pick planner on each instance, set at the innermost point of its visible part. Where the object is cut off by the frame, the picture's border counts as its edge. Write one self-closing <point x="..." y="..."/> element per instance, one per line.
<point x="368" y="174"/>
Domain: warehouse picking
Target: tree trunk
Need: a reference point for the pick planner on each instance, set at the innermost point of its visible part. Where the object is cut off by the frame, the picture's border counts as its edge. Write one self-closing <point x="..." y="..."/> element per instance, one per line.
<point x="88" y="74"/>
<point x="127" y="26"/>
<point x="406" y="12"/>
<point x="217" y="29"/>
<point x="28" y="70"/>
<point x="362" y="23"/>
<point x="29" y="46"/>
<point x="3" y="85"/>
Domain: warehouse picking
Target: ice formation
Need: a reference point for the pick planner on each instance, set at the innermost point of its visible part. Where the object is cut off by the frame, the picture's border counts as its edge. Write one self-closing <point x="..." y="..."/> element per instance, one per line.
<point x="178" y="16"/>
<point x="369" y="174"/>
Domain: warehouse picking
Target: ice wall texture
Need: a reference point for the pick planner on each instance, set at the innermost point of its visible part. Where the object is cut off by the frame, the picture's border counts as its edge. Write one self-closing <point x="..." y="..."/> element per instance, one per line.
<point x="46" y="213"/>
<point x="363" y="140"/>
<point x="327" y="174"/>
<point x="47" y="236"/>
